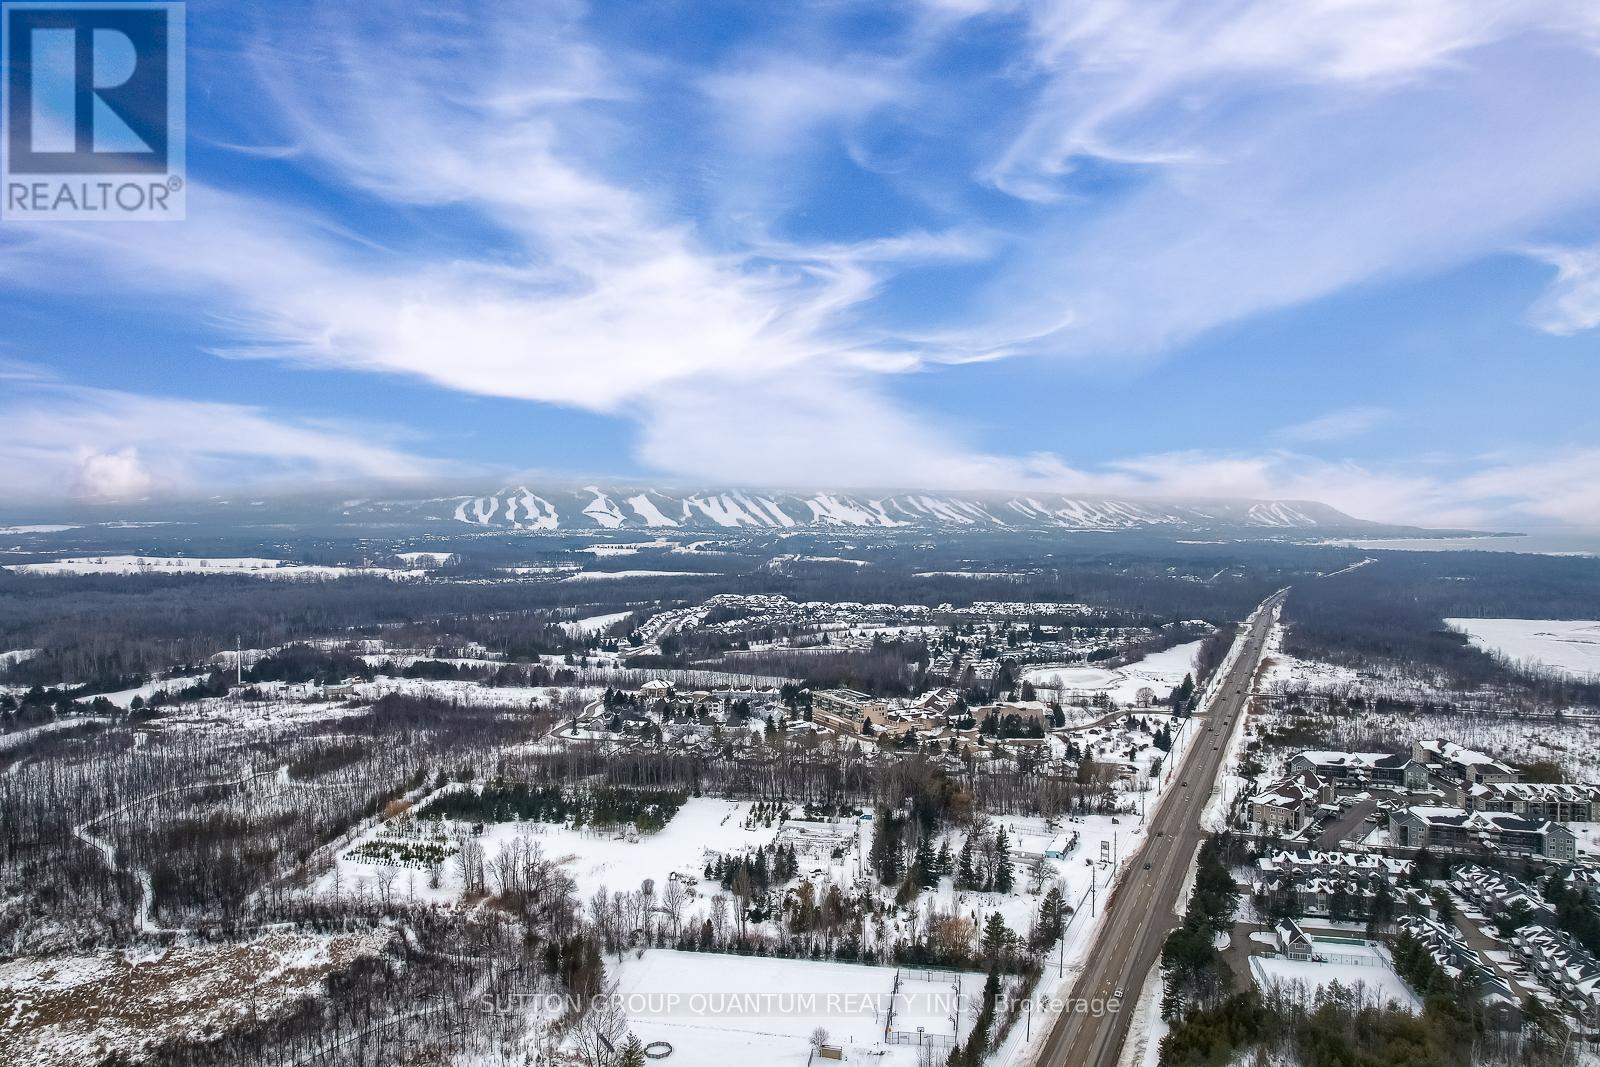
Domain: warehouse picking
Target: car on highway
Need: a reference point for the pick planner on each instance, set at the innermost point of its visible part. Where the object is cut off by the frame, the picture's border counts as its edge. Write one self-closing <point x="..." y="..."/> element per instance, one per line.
<point x="1147" y="866"/>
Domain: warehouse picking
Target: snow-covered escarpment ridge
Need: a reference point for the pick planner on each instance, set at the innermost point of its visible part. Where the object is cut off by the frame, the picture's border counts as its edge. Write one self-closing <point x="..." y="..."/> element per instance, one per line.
<point x="633" y="507"/>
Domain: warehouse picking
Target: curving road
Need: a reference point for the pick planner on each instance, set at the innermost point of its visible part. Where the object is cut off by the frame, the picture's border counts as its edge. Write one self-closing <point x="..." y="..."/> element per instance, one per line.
<point x="1142" y="910"/>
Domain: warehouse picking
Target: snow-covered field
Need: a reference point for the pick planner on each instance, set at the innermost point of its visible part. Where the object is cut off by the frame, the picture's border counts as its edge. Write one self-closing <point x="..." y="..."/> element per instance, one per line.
<point x="595" y="576"/>
<point x="1567" y="645"/>
<point x="254" y="566"/>
<point x="720" y="1009"/>
<point x="1160" y="672"/>
<point x="1082" y="678"/>
<point x="627" y="548"/>
<point x="464" y="692"/>
<point x="434" y="559"/>
<point x="594" y="859"/>
<point x="17" y="655"/>
<point x="705" y="826"/>
<point x="594" y="623"/>
<point x="284" y="705"/>
<point x="1372" y="973"/>
<point x="1286" y="672"/>
<point x="124" y="698"/>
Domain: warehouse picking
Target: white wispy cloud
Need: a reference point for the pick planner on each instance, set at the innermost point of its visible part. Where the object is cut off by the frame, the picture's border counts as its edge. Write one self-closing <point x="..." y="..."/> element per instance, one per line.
<point x="774" y="104"/>
<point x="1563" y="489"/>
<point x="1115" y="66"/>
<point x="840" y="433"/>
<point x="598" y="297"/>
<point x="1286" y="153"/>
<point x="107" y="445"/>
<point x="1340" y="425"/>
<point x="1572" y="303"/>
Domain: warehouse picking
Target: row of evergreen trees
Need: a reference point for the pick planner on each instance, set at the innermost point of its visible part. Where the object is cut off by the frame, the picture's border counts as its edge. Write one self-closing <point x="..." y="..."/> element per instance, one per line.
<point x="648" y="810"/>
<point x="761" y="873"/>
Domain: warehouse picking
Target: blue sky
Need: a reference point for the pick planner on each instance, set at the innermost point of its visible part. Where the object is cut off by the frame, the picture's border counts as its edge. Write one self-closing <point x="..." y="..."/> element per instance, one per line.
<point x="1345" y="250"/>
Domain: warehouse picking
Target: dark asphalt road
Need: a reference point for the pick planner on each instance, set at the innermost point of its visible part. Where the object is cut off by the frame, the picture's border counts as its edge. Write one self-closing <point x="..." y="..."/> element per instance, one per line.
<point x="1141" y="912"/>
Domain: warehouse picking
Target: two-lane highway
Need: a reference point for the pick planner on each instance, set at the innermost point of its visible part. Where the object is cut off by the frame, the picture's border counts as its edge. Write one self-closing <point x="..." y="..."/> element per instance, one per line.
<point x="1141" y="911"/>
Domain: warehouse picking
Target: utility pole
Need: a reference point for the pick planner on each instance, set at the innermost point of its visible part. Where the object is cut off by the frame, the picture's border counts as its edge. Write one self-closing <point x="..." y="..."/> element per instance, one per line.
<point x="238" y="659"/>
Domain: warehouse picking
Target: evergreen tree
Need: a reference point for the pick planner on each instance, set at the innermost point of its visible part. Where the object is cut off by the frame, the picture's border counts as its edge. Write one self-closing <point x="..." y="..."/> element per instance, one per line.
<point x="885" y="853"/>
<point x="966" y="872"/>
<point x="1003" y="871"/>
<point x="923" y="866"/>
<point x="1052" y="918"/>
<point x="995" y="937"/>
<point x="632" y="1054"/>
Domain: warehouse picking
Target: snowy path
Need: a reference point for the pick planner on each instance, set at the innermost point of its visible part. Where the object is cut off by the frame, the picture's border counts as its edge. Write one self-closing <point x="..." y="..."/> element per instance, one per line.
<point x="142" y="914"/>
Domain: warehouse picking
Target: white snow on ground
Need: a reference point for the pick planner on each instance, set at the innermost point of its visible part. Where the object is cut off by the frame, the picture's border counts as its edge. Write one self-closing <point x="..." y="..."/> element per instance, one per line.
<point x="706" y="826"/>
<point x="1570" y="645"/>
<point x="777" y="562"/>
<point x="594" y="623"/>
<point x="17" y="655"/>
<point x="1375" y="974"/>
<point x="626" y="548"/>
<point x="1353" y="567"/>
<point x="22" y="737"/>
<point x="435" y="558"/>
<point x="466" y="692"/>
<point x="1072" y="677"/>
<point x="720" y="1009"/>
<point x="1286" y="672"/>
<point x="647" y="510"/>
<point x="1143" y="1045"/>
<point x="164" y="685"/>
<point x="4" y="530"/>
<point x="537" y="512"/>
<point x="594" y="576"/>
<point x="599" y="859"/>
<point x="251" y="565"/>
<point x="295" y="704"/>
<point x="602" y="510"/>
<point x="1160" y="672"/>
<point x="1030" y="835"/>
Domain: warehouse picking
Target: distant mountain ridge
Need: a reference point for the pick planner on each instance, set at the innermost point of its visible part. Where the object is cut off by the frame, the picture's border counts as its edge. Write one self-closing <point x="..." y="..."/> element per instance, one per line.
<point x="598" y="507"/>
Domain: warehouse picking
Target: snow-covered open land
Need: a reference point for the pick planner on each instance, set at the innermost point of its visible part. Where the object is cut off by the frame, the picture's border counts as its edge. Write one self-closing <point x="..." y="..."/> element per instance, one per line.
<point x="1154" y="675"/>
<point x="255" y="567"/>
<point x="716" y="1009"/>
<point x="1571" y="646"/>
